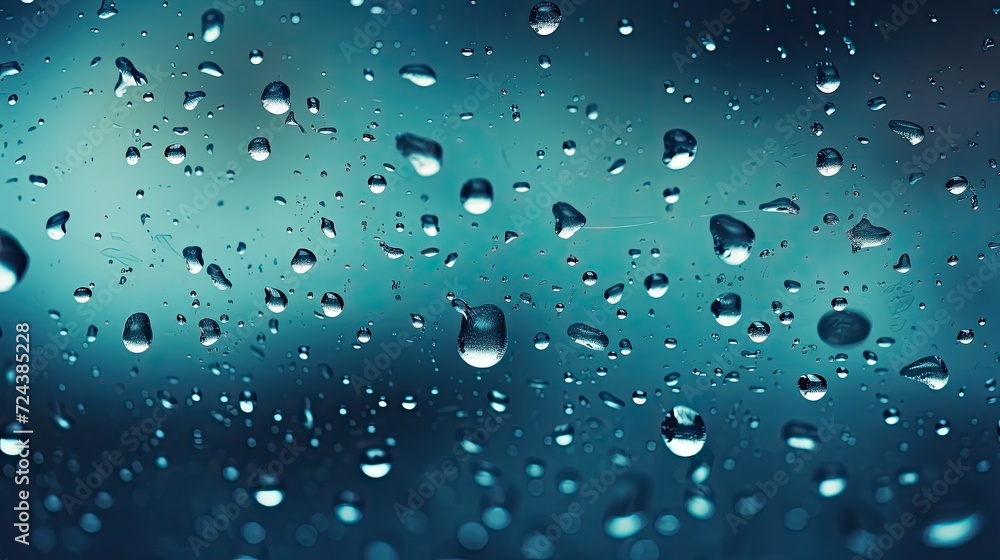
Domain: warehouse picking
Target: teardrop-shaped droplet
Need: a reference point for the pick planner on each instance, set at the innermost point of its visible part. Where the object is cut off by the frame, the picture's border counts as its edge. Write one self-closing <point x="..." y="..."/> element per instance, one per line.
<point x="482" y="338"/>
<point x="733" y="239"/>
<point x="138" y="333"/>
<point x="930" y="371"/>
<point x="275" y="299"/>
<point x="783" y="205"/>
<point x="303" y="261"/>
<point x="132" y="155"/>
<point x="614" y="293"/>
<point x="588" y="336"/>
<point x="569" y="220"/>
<point x="683" y="431"/>
<point x="276" y="98"/>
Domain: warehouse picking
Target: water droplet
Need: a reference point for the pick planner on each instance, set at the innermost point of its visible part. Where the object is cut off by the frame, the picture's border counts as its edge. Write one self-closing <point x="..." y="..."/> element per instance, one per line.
<point x="569" y="220"/>
<point x="545" y="18"/>
<point x="259" y="148"/>
<point x="843" y="328"/>
<point x="477" y="196"/>
<point x="829" y="162"/>
<point x="138" y="333"/>
<point x="482" y="337"/>
<point x="332" y="304"/>
<point x="812" y="386"/>
<point x="683" y="431"/>
<point x="679" y="148"/>
<point x="276" y="98"/>
<point x="911" y="132"/>
<point x="588" y="336"/>
<point x="930" y="371"/>
<point x="303" y="261"/>
<point x="827" y="77"/>
<point x="424" y="155"/>
<point x="211" y="25"/>
<point x="418" y="74"/>
<point x="209" y="331"/>
<point x="55" y="227"/>
<point x="727" y="309"/>
<point x="733" y="239"/>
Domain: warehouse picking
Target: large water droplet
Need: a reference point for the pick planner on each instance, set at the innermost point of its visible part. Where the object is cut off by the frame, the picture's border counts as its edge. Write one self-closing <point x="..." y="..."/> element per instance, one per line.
<point x="138" y="333"/>
<point x="418" y="74"/>
<point x="829" y="162"/>
<point x="733" y="239"/>
<point x="569" y="220"/>
<point x="424" y="154"/>
<point x="588" y="336"/>
<point x="55" y="227"/>
<point x="193" y="259"/>
<point x="683" y="431"/>
<point x="843" y="328"/>
<point x="827" y="77"/>
<point x="911" y="132"/>
<point x="376" y="462"/>
<point x="545" y="18"/>
<point x="477" y="196"/>
<point x="332" y="304"/>
<point x="812" y="386"/>
<point x="211" y="25"/>
<point x="482" y="338"/>
<point x="303" y="261"/>
<point x="219" y="279"/>
<point x="679" y="148"/>
<point x="930" y="370"/>
<point x="209" y="331"/>
<point x="276" y="98"/>
<point x="275" y="299"/>
<point x="727" y="309"/>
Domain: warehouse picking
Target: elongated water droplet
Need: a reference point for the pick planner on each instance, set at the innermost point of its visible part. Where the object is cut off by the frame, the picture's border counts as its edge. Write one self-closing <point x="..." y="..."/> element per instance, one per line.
<point x="911" y="132"/>
<point x="128" y="76"/>
<point x="211" y="25"/>
<point x="843" y="328"/>
<point x="864" y="235"/>
<point x="418" y="74"/>
<point x="193" y="259"/>
<point x="930" y="370"/>
<point x="588" y="336"/>
<point x="218" y="278"/>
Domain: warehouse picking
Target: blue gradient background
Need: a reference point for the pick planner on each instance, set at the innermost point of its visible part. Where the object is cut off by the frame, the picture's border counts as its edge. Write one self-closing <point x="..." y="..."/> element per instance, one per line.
<point x="107" y="391"/>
